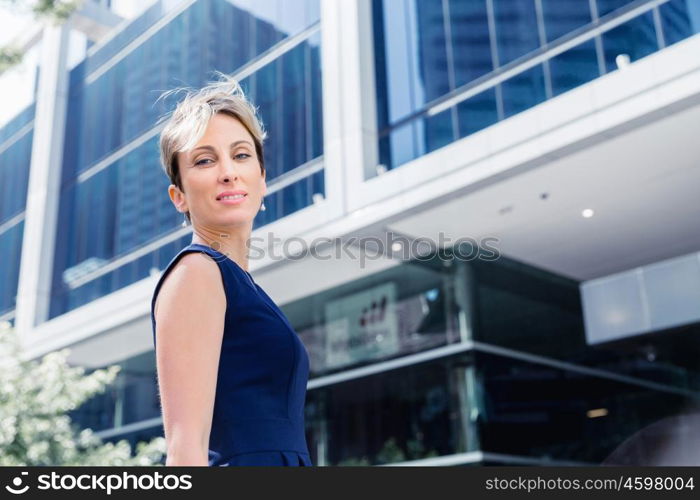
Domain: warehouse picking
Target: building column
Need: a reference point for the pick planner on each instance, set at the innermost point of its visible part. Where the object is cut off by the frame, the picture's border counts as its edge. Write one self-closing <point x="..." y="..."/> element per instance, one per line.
<point x="349" y="97"/>
<point x="36" y="266"/>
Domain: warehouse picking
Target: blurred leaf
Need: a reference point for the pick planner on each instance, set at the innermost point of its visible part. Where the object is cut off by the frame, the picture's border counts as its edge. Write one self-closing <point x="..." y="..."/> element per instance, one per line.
<point x="54" y="11"/>
<point x="35" y="398"/>
<point x="9" y="57"/>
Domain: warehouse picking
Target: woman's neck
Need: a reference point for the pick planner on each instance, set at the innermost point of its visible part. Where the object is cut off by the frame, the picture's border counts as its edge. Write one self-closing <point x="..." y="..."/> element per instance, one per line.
<point x="233" y="245"/>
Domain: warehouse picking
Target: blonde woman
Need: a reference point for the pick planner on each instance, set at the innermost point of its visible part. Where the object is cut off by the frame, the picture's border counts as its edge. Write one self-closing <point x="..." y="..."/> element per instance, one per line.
<point x="232" y="371"/>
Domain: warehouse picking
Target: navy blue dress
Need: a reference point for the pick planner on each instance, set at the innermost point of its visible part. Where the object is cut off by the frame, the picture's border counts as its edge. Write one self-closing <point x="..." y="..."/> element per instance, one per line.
<point x="261" y="383"/>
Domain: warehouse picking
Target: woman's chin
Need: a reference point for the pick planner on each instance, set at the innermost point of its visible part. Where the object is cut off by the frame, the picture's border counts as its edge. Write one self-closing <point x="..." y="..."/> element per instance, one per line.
<point x="236" y="220"/>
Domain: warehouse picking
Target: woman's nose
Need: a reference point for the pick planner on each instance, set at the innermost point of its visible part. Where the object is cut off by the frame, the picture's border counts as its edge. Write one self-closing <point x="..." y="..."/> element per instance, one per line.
<point x="229" y="170"/>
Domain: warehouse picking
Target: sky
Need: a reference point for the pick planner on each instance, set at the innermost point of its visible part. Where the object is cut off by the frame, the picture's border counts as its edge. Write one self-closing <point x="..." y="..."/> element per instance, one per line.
<point x="16" y="84"/>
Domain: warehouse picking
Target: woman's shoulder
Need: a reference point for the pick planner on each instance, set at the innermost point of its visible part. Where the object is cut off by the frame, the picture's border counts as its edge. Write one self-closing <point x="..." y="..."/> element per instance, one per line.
<point x="192" y="275"/>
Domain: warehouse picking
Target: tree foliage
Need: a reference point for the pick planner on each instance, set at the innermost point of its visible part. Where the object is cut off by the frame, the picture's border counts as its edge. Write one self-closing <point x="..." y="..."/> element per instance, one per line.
<point x="55" y="11"/>
<point x="35" y="398"/>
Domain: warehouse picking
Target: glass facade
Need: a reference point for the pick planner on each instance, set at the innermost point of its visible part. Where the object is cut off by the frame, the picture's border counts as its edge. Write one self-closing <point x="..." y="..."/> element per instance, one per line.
<point x="518" y="379"/>
<point x="114" y="192"/>
<point x="429" y="51"/>
<point x="11" y="248"/>
<point x="15" y="159"/>
<point x="132" y="398"/>
<point x="425" y="359"/>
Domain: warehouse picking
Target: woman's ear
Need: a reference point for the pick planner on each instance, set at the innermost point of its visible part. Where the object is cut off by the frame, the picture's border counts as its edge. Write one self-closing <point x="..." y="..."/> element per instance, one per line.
<point x="178" y="198"/>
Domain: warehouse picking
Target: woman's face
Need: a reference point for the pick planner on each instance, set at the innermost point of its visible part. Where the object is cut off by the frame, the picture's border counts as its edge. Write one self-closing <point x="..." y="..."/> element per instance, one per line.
<point x="222" y="164"/>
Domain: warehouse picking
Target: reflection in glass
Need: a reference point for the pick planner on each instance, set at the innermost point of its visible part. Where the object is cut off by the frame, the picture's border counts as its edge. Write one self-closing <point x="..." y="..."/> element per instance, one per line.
<point x="564" y="16"/>
<point x="607" y="6"/>
<point x="679" y="19"/>
<point x="523" y="91"/>
<point x="11" y="250"/>
<point x="516" y="29"/>
<point x="636" y="38"/>
<point x="406" y="414"/>
<point x="574" y="67"/>
<point x="542" y="411"/>
<point x="15" y="159"/>
<point x="131" y="398"/>
<point x="438" y="130"/>
<point x="477" y="112"/>
<point x="401" y="311"/>
<point x="471" y="44"/>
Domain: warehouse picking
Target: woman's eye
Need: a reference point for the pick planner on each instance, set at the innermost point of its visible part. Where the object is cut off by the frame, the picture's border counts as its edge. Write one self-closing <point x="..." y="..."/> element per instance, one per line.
<point x="202" y="161"/>
<point x="242" y="154"/>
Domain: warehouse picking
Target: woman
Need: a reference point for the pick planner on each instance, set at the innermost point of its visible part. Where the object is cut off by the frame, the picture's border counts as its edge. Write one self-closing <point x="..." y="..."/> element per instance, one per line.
<point x="232" y="371"/>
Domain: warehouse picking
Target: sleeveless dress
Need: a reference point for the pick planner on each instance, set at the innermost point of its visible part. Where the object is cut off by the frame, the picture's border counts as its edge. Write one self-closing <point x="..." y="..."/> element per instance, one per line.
<point x="258" y="414"/>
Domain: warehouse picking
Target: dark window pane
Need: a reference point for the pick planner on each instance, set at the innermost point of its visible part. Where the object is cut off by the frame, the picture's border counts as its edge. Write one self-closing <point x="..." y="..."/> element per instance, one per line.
<point x="396" y="416"/>
<point x="432" y="50"/>
<point x="516" y="28"/>
<point x="574" y="67"/>
<point x="413" y="57"/>
<point x="542" y="411"/>
<point x="636" y="38"/>
<point x="564" y="16"/>
<point x="608" y="6"/>
<point x="438" y="130"/>
<point x="402" y="144"/>
<point x="470" y="40"/>
<point x="15" y="159"/>
<point x="523" y="91"/>
<point x="381" y="63"/>
<point x="477" y="112"/>
<point x="11" y="249"/>
<point x="680" y="19"/>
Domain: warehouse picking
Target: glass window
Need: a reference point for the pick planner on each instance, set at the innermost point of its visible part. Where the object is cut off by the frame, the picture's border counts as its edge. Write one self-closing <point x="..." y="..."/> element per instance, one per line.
<point x="516" y="28"/>
<point x="471" y="44"/>
<point x="11" y="250"/>
<point x="439" y="130"/>
<point x="636" y="38"/>
<point x="564" y="16"/>
<point x="523" y="91"/>
<point x="131" y="398"/>
<point x="415" y="54"/>
<point x="399" y="145"/>
<point x="541" y="411"/>
<point x="574" y="67"/>
<point x="477" y="112"/>
<point x="15" y="160"/>
<point x="407" y="309"/>
<point x="401" y="415"/>
<point x="122" y="99"/>
<point x="679" y="19"/>
<point x="608" y="6"/>
<point x="290" y="107"/>
<point x="431" y="54"/>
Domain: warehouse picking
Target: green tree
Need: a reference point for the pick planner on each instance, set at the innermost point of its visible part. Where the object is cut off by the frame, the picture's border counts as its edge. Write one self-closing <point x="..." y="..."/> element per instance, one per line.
<point x="56" y="11"/>
<point x="35" y="398"/>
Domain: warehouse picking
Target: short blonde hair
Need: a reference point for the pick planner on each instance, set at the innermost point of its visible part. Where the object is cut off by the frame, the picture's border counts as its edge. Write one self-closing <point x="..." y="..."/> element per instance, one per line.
<point x="186" y="125"/>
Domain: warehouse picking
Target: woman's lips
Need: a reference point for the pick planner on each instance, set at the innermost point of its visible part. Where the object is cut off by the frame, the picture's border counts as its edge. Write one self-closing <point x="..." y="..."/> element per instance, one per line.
<point x="232" y="201"/>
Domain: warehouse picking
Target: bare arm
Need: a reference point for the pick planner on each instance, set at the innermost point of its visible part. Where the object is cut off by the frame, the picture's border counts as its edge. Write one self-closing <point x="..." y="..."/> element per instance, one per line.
<point x="189" y="314"/>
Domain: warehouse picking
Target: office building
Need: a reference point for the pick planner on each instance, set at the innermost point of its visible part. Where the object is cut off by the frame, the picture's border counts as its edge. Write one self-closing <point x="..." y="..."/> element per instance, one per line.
<point x="501" y="195"/>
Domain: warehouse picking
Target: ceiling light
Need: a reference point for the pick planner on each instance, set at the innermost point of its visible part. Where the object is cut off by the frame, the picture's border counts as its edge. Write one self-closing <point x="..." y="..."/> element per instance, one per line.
<point x="598" y="412"/>
<point x="588" y="213"/>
